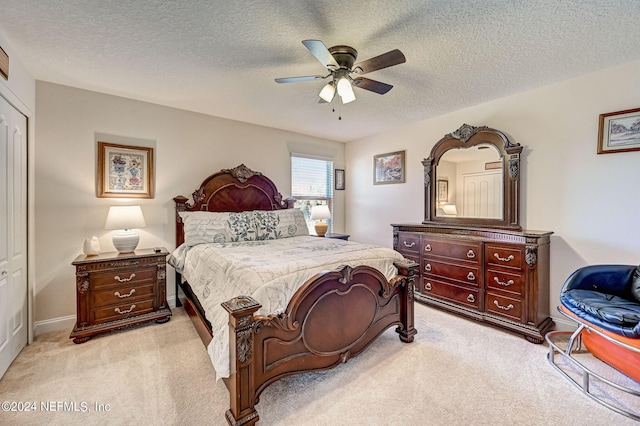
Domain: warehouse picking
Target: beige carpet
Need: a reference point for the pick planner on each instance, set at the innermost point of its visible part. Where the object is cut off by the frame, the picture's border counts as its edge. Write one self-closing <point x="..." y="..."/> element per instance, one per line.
<point x="456" y="372"/>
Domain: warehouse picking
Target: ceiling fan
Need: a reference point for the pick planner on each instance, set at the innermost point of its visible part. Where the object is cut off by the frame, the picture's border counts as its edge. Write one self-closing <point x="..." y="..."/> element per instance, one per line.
<point x="339" y="61"/>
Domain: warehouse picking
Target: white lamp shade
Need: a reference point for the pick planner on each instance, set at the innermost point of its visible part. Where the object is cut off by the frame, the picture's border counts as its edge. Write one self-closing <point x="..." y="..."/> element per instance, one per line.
<point x="125" y="218"/>
<point x="328" y="92"/>
<point x="346" y="91"/>
<point x="320" y="212"/>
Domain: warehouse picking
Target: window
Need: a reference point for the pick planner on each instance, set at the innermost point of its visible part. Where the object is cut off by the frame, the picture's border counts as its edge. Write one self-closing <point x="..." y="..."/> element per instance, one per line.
<point x="311" y="185"/>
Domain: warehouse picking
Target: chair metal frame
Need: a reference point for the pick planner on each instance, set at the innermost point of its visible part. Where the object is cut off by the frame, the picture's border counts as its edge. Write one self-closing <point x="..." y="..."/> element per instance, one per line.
<point x="574" y="346"/>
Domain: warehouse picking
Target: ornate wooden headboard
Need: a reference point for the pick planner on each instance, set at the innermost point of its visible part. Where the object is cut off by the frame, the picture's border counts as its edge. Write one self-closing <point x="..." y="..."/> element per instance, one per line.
<point x="231" y="190"/>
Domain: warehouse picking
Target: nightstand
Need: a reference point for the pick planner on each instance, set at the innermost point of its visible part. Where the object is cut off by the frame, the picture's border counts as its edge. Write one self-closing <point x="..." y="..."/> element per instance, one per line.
<point x="117" y="290"/>
<point x="337" y="236"/>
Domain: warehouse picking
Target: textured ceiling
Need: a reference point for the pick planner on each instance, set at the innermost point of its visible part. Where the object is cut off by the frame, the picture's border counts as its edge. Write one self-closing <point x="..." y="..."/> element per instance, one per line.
<point x="221" y="57"/>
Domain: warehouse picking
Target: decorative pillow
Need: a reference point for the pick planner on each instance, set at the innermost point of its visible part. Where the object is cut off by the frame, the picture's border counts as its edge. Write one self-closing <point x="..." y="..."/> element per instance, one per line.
<point x="242" y="226"/>
<point x="635" y="284"/>
<point x="206" y="227"/>
<point x="277" y="224"/>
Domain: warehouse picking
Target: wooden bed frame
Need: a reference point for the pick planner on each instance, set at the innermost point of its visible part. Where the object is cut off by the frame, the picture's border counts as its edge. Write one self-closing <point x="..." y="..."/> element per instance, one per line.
<point x="331" y="318"/>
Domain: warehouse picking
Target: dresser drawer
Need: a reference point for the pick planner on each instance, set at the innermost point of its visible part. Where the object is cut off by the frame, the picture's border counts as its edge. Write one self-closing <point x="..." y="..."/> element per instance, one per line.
<point x="122" y="294"/>
<point x="464" y="295"/>
<point x="504" y="306"/>
<point x="468" y="274"/>
<point x="501" y="280"/>
<point x="504" y="256"/>
<point x="124" y="310"/>
<point x="409" y="243"/>
<point x="115" y="278"/>
<point x="461" y="250"/>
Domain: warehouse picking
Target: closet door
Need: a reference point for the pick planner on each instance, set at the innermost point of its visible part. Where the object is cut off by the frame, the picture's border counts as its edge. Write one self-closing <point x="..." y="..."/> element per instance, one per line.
<point x="13" y="233"/>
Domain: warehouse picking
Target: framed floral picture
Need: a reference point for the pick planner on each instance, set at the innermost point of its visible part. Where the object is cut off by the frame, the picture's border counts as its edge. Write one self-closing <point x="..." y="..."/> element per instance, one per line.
<point x="339" y="179"/>
<point x="124" y="171"/>
<point x="388" y="168"/>
<point x="619" y="131"/>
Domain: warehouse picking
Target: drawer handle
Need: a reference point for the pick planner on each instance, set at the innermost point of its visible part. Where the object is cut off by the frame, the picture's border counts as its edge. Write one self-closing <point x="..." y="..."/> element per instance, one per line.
<point x="413" y="243"/>
<point x="470" y="276"/>
<point x="471" y="254"/>
<point x="504" y="308"/>
<point x="124" y="280"/>
<point x="470" y="298"/>
<point x="503" y="259"/>
<point x="122" y="296"/>
<point x="427" y="267"/>
<point x="427" y="247"/>
<point x="126" y="311"/>
<point x="507" y="284"/>
<point x="427" y="286"/>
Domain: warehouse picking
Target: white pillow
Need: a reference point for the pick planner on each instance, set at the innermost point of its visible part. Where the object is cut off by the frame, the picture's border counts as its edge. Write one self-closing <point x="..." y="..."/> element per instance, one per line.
<point x="277" y="224"/>
<point x="206" y="227"/>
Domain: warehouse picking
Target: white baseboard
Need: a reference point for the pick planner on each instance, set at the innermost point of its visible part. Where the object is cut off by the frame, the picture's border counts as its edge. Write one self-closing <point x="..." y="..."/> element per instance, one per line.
<point x="54" y="324"/>
<point x="67" y="323"/>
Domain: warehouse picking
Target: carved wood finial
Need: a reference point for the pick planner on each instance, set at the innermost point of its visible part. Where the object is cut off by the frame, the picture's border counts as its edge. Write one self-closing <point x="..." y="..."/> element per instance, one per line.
<point x="465" y="132"/>
<point x="242" y="173"/>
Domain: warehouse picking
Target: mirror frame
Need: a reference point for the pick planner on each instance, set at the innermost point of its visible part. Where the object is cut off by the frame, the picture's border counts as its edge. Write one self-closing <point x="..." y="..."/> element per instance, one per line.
<point x="465" y="137"/>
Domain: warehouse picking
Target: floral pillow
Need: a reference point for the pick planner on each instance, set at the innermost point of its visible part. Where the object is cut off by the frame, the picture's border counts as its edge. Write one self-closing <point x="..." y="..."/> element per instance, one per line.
<point x="272" y="225"/>
<point x="242" y="226"/>
<point x="205" y="227"/>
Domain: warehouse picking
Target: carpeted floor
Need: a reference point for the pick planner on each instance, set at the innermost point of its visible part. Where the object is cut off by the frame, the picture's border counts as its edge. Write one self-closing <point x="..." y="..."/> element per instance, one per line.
<point x="457" y="372"/>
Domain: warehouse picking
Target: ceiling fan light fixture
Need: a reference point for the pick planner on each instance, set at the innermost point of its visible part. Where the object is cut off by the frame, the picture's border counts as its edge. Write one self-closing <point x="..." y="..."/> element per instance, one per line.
<point x="345" y="90"/>
<point x="328" y="92"/>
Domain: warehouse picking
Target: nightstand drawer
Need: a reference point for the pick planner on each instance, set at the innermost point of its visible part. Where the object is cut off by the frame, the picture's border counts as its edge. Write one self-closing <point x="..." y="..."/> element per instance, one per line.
<point x="124" y="310"/>
<point x="122" y="294"/>
<point x="118" y="277"/>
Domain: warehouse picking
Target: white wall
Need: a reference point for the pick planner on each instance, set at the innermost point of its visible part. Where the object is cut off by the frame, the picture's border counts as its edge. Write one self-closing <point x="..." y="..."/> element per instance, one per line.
<point x="188" y="148"/>
<point x="589" y="201"/>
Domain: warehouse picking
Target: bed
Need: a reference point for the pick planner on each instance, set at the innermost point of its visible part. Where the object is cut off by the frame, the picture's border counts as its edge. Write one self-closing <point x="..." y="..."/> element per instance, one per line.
<point x="315" y="316"/>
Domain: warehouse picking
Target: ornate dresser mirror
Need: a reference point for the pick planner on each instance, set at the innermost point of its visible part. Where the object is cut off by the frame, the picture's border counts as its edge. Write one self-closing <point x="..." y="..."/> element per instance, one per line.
<point x="475" y="259"/>
<point x="472" y="178"/>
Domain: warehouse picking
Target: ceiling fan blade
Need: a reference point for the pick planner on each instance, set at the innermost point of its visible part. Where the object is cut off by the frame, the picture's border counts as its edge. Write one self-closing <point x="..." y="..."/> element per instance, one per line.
<point x="298" y="79"/>
<point x="372" y="85"/>
<point x="320" y="51"/>
<point x="389" y="59"/>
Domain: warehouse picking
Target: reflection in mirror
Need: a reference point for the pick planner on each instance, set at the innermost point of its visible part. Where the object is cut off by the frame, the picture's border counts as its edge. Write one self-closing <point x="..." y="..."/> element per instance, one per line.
<point x="469" y="183"/>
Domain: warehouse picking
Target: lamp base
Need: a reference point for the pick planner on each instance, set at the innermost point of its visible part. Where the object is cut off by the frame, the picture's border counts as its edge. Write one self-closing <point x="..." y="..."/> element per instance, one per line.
<point x="126" y="241"/>
<point x="321" y="229"/>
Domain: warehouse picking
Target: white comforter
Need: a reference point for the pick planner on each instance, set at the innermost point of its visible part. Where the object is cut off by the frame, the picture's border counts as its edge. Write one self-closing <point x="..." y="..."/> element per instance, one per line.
<point x="270" y="271"/>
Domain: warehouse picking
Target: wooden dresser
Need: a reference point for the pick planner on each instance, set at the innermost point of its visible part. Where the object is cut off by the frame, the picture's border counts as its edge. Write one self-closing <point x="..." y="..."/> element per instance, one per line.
<point x="116" y="290"/>
<point x="491" y="275"/>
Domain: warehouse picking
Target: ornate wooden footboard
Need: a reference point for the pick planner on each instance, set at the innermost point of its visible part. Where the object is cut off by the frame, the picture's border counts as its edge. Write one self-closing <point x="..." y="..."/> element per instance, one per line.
<point x="331" y="318"/>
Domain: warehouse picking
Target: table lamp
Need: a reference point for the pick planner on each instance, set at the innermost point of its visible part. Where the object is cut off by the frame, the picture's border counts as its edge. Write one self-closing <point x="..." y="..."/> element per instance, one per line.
<point x="125" y="219"/>
<point x="319" y="213"/>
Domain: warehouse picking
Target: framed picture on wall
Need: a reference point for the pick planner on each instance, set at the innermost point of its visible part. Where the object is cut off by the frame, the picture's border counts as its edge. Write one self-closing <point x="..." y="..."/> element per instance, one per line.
<point x="124" y="171"/>
<point x="338" y="179"/>
<point x="443" y="190"/>
<point x="619" y="131"/>
<point x="388" y="168"/>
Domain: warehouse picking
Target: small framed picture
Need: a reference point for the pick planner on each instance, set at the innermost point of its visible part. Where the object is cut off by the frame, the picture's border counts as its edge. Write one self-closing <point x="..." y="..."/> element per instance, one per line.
<point x="124" y="171"/>
<point x="388" y="168"/>
<point x="443" y="190"/>
<point x="619" y="131"/>
<point x="338" y="179"/>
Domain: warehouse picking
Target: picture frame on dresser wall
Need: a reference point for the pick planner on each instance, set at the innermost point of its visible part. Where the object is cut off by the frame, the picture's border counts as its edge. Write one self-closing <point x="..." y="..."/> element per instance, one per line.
<point x="338" y="179"/>
<point x="619" y="131"/>
<point x="389" y="168"/>
<point x="443" y="190"/>
<point x="124" y="171"/>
